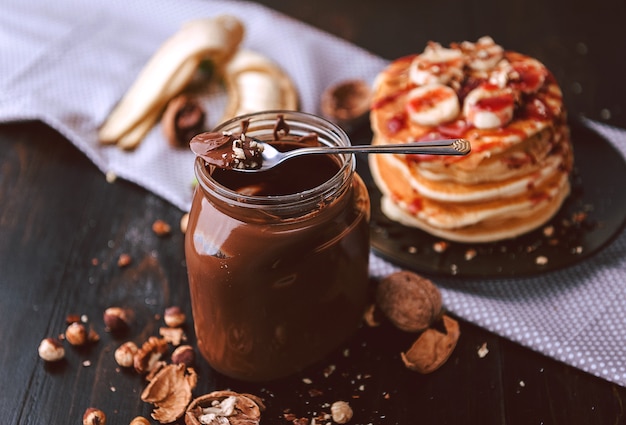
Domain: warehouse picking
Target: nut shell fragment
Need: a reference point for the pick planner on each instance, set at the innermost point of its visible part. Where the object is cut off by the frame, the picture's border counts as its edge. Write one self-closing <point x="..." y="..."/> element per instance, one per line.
<point x="149" y="354"/>
<point x="225" y="407"/>
<point x="411" y="302"/>
<point x="432" y="348"/>
<point x="170" y="392"/>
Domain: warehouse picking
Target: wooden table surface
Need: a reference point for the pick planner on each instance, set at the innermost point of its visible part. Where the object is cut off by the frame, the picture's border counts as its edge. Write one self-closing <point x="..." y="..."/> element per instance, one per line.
<point x="63" y="228"/>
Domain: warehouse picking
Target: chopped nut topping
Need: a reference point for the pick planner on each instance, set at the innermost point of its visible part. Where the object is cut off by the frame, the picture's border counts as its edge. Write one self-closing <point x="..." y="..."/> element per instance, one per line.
<point x="173" y="335"/>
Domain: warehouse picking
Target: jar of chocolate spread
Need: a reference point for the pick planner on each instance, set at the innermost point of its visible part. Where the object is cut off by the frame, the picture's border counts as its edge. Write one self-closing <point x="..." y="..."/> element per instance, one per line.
<point x="277" y="260"/>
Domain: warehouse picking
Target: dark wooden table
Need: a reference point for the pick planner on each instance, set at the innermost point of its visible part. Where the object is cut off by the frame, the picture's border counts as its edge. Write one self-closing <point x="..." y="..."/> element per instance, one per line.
<point x="63" y="228"/>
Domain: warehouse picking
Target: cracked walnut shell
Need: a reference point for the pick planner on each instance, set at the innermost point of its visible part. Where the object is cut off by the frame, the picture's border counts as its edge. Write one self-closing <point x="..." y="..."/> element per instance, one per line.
<point x="225" y="407"/>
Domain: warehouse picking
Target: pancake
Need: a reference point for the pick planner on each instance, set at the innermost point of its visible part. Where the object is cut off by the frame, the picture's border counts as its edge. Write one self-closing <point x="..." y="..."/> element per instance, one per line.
<point x="509" y="107"/>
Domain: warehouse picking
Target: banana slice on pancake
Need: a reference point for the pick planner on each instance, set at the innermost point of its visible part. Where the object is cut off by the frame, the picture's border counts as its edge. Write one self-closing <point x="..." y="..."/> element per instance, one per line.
<point x="432" y="104"/>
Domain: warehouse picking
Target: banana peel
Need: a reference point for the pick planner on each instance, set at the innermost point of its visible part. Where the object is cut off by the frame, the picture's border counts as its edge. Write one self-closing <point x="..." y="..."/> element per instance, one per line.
<point x="167" y="73"/>
<point x="253" y="82"/>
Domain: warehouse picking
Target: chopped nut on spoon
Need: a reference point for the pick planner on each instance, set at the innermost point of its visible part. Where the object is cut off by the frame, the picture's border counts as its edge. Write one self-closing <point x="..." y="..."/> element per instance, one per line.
<point x="226" y="150"/>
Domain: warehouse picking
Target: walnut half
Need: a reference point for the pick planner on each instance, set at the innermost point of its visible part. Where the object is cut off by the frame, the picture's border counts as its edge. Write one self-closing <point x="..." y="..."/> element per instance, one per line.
<point x="225" y="407"/>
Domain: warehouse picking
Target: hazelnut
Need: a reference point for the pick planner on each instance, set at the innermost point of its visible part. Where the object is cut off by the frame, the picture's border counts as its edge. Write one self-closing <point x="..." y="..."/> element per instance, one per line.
<point x="124" y="260"/>
<point x="93" y="416"/>
<point x="341" y="412"/>
<point x="182" y="119"/>
<point x="161" y="228"/>
<point x="174" y="317"/>
<point x="184" y="355"/>
<point x="184" y="222"/>
<point x="76" y="334"/>
<point x="125" y="354"/>
<point x="51" y="350"/>
<point x="116" y="319"/>
<point x="433" y="347"/>
<point x="411" y="302"/>
<point x="139" y="420"/>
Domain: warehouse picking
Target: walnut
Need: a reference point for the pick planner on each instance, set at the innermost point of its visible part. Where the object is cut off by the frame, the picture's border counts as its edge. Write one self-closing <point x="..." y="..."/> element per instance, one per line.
<point x="346" y="101"/>
<point x="225" y="407"/>
<point x="149" y="354"/>
<point x="173" y="335"/>
<point x="183" y="118"/>
<point x="169" y="391"/>
<point x="341" y="412"/>
<point x="433" y="347"/>
<point x="411" y="302"/>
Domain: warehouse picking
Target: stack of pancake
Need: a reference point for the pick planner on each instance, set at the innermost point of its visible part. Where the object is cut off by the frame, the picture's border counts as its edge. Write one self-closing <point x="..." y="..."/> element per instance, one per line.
<point x="510" y="108"/>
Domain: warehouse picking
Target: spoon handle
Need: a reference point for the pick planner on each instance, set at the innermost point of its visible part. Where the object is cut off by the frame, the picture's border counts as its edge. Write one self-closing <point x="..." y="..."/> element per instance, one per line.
<point x="434" y="147"/>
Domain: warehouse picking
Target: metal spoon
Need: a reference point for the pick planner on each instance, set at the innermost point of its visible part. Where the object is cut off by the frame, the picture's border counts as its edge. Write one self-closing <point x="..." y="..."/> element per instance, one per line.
<point x="271" y="157"/>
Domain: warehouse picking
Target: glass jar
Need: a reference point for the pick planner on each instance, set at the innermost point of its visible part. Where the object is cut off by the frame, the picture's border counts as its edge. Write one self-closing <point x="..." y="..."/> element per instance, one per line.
<point x="278" y="260"/>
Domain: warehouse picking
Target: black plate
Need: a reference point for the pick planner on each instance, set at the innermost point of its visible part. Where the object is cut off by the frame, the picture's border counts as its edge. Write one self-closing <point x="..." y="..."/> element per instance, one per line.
<point x="592" y="216"/>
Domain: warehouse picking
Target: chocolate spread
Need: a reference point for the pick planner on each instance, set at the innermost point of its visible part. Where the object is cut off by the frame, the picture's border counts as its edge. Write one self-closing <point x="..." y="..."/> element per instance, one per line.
<point x="271" y="294"/>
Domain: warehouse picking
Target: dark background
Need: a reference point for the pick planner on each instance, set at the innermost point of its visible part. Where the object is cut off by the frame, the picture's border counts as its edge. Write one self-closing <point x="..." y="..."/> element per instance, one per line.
<point x="63" y="227"/>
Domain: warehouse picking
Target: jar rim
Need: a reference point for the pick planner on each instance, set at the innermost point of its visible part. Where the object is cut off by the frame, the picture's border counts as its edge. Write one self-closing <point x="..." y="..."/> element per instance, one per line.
<point x="300" y="123"/>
